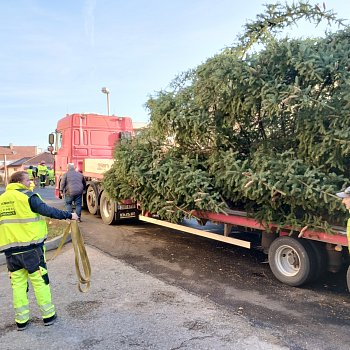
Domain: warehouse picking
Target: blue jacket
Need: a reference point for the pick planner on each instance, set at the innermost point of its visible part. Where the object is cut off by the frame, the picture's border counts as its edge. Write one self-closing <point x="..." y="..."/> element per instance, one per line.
<point x="40" y="207"/>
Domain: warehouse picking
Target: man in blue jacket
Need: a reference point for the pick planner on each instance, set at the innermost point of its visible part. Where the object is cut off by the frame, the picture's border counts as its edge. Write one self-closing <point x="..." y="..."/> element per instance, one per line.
<point x="23" y="231"/>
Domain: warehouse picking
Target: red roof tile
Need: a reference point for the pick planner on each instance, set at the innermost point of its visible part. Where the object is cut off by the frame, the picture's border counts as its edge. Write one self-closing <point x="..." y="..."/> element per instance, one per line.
<point x="5" y="150"/>
<point x="19" y="151"/>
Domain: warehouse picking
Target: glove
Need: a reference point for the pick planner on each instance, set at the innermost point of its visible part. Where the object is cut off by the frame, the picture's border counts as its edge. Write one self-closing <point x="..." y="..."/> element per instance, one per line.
<point x="75" y="216"/>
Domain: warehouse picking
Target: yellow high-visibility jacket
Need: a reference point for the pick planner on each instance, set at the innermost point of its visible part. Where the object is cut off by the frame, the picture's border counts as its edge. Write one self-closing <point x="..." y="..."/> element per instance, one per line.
<point x="30" y="174"/>
<point x="19" y="225"/>
<point x="42" y="169"/>
<point x="51" y="174"/>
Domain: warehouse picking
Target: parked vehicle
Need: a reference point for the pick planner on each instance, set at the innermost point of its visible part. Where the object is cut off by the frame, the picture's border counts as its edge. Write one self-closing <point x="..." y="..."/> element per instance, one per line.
<point x="88" y="141"/>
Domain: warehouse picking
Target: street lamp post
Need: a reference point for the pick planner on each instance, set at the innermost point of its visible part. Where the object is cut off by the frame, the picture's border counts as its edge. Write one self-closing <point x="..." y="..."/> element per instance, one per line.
<point x="106" y="91"/>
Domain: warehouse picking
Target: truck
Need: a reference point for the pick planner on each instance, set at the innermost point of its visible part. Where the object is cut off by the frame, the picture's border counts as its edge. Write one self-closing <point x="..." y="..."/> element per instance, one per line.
<point x="87" y="140"/>
<point x="296" y="255"/>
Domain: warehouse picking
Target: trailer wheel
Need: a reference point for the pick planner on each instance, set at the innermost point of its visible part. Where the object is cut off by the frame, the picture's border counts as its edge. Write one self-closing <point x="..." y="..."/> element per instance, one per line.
<point x="348" y="279"/>
<point x="92" y="199"/>
<point x="292" y="260"/>
<point x="321" y="257"/>
<point x="107" y="209"/>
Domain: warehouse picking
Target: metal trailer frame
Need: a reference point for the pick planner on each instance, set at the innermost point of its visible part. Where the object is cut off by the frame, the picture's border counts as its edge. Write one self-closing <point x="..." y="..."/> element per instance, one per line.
<point x="296" y="256"/>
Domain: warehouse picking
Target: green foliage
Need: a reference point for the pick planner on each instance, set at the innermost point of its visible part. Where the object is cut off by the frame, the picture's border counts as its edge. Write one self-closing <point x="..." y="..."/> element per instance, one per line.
<point x="279" y="16"/>
<point x="266" y="132"/>
<point x="165" y="181"/>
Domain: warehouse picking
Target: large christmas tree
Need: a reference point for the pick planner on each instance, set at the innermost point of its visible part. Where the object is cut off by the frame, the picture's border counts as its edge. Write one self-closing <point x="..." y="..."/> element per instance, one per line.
<point x="265" y="131"/>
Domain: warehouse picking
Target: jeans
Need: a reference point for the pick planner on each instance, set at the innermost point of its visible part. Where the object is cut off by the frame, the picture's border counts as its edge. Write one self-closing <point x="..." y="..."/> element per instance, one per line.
<point x="77" y="199"/>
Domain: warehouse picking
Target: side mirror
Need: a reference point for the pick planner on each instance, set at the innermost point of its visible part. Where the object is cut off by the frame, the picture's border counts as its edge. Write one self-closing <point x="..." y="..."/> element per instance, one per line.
<point x="51" y="139"/>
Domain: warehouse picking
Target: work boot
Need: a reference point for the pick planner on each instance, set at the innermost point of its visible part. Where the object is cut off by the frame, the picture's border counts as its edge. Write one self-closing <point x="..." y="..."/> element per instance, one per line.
<point x="50" y="320"/>
<point x="22" y="326"/>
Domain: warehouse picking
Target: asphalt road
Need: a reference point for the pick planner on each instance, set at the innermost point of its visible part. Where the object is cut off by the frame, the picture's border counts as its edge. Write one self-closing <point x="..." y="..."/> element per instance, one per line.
<point x="236" y="280"/>
<point x="239" y="280"/>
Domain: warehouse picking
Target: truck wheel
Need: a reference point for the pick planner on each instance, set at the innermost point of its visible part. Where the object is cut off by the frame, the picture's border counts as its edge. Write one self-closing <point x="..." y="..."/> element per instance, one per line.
<point x="321" y="257"/>
<point x="348" y="279"/>
<point x="292" y="260"/>
<point x="107" y="209"/>
<point x="92" y="199"/>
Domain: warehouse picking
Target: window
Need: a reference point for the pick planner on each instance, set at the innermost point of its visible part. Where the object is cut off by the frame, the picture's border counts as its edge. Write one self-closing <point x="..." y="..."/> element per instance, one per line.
<point x="59" y="140"/>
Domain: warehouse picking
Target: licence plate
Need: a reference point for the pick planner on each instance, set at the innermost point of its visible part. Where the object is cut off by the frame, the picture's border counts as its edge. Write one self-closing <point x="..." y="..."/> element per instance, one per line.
<point x="126" y="206"/>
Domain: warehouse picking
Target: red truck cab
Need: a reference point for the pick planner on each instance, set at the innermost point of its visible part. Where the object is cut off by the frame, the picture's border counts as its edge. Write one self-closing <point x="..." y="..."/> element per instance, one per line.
<point x="88" y="140"/>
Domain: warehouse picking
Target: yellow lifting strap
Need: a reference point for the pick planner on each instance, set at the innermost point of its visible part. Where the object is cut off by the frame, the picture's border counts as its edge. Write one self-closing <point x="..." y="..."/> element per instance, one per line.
<point x="80" y="255"/>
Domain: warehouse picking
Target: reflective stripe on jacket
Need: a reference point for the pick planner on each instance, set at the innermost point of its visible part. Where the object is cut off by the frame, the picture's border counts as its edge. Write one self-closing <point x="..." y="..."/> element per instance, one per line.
<point x="19" y="225"/>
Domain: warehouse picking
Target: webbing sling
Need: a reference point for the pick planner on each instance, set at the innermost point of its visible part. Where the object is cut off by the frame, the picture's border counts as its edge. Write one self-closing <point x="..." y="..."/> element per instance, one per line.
<point x="80" y="255"/>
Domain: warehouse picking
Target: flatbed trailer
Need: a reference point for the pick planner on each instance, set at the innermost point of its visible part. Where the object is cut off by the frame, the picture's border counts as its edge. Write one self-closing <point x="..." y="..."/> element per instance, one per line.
<point x="296" y="256"/>
<point x="88" y="140"/>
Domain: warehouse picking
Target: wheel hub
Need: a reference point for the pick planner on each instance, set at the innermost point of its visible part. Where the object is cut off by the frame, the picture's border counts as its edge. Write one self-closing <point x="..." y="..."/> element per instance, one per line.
<point x="287" y="260"/>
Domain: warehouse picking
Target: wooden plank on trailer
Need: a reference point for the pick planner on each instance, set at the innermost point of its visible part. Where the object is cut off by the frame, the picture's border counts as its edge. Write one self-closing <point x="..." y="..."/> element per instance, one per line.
<point x="197" y="232"/>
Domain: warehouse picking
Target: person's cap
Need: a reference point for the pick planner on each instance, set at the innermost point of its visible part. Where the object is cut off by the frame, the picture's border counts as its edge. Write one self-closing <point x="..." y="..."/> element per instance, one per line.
<point x="345" y="193"/>
<point x="42" y="162"/>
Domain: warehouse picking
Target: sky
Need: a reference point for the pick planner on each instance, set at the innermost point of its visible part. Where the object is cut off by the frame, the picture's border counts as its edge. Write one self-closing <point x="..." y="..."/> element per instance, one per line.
<point x="56" y="56"/>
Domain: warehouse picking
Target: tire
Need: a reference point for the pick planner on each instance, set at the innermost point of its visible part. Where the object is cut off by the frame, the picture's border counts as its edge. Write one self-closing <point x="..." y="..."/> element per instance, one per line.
<point x="321" y="257"/>
<point x="292" y="260"/>
<point x="92" y="199"/>
<point x="348" y="279"/>
<point x="107" y="209"/>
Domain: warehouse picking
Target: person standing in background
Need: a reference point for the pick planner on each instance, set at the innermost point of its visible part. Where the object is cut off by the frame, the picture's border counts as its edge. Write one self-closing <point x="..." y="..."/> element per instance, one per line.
<point x="72" y="187"/>
<point x="42" y="173"/>
<point x="51" y="175"/>
<point x="30" y="172"/>
<point x="35" y="172"/>
<point x="31" y="175"/>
